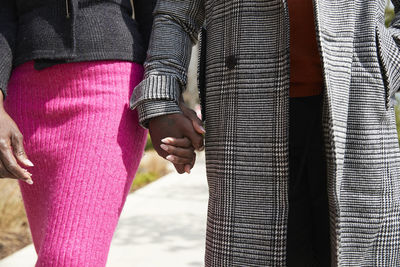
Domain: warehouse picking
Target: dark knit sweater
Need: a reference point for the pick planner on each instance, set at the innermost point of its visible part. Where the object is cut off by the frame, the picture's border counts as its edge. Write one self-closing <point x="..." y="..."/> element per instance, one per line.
<point x="71" y="31"/>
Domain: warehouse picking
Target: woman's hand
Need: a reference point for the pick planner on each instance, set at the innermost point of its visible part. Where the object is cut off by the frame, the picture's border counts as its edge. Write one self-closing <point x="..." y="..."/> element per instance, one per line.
<point x="180" y="152"/>
<point x="12" y="152"/>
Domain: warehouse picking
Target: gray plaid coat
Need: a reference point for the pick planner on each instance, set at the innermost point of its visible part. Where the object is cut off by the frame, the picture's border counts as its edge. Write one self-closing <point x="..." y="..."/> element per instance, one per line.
<point x="246" y="103"/>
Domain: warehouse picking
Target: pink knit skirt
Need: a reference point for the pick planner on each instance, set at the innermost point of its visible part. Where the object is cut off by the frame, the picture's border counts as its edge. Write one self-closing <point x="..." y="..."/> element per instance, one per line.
<point x="86" y="145"/>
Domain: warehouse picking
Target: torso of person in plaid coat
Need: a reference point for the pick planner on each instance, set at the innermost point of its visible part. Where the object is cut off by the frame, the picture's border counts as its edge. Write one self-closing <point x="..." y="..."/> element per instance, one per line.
<point x="245" y="98"/>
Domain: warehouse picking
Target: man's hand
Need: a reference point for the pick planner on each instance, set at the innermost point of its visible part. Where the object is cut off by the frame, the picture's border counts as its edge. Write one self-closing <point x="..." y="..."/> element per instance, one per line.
<point x="191" y="115"/>
<point x="12" y="152"/>
<point x="172" y="129"/>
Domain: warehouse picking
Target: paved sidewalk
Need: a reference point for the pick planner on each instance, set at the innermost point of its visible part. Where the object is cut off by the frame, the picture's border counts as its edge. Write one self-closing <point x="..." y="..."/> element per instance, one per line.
<point x="162" y="225"/>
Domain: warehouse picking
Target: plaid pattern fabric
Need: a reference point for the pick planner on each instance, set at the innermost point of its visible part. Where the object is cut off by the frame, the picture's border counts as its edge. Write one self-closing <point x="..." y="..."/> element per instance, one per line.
<point x="246" y="98"/>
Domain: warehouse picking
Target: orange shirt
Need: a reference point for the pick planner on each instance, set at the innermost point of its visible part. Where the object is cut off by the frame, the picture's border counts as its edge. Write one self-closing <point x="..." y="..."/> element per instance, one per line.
<point x="306" y="78"/>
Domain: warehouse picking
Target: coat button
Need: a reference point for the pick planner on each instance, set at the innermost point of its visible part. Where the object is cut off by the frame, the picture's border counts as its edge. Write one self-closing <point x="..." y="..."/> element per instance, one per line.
<point x="230" y="62"/>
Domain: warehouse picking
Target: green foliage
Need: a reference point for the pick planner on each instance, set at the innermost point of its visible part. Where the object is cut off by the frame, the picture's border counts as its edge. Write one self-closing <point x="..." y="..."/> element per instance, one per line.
<point x="143" y="179"/>
<point x="389" y="15"/>
<point x="397" y="110"/>
<point x="149" y="144"/>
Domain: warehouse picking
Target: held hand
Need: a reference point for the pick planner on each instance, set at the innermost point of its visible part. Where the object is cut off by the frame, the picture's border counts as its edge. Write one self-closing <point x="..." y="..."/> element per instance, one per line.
<point x="176" y="126"/>
<point x="12" y="151"/>
<point x="180" y="152"/>
<point x="191" y="115"/>
<point x="174" y="145"/>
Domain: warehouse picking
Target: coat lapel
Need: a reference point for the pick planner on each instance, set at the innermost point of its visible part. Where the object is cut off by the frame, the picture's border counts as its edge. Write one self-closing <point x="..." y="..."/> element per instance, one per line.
<point x="335" y="30"/>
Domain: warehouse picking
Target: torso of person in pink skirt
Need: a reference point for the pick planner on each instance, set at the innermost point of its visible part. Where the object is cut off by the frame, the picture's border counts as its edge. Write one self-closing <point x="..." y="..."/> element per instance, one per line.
<point x="67" y="71"/>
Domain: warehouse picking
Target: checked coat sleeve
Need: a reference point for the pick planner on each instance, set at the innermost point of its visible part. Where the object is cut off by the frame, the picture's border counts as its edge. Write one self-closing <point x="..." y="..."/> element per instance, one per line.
<point x="8" y="31"/>
<point x="388" y="41"/>
<point x="175" y="29"/>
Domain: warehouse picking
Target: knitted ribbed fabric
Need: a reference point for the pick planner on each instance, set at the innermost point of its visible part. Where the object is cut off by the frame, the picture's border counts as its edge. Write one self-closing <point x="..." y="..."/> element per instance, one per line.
<point x="86" y="145"/>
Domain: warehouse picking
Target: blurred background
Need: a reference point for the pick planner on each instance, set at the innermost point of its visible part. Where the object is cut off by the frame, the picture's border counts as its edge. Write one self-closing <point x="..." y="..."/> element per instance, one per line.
<point x="14" y="230"/>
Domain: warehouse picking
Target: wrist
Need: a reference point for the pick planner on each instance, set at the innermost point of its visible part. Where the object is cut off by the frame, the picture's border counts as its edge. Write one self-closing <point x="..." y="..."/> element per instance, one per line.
<point x="152" y="109"/>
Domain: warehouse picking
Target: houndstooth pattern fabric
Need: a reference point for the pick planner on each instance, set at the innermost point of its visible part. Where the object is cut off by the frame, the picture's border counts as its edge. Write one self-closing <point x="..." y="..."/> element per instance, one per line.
<point x="246" y="103"/>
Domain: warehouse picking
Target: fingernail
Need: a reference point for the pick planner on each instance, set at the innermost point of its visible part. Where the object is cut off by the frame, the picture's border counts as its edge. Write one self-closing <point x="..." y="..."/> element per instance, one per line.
<point x="26" y="171"/>
<point x="170" y="157"/>
<point x="29" y="181"/>
<point x="202" y="129"/>
<point x="167" y="140"/>
<point x="165" y="147"/>
<point x="28" y="162"/>
<point x="187" y="169"/>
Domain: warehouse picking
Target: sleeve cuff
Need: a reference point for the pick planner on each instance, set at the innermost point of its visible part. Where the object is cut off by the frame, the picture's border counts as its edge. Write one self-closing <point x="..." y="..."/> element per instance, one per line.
<point x="155" y="96"/>
<point x="156" y="87"/>
<point x="151" y="109"/>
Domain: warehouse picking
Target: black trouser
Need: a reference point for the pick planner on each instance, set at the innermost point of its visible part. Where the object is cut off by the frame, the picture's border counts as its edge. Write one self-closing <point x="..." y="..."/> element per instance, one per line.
<point x="308" y="227"/>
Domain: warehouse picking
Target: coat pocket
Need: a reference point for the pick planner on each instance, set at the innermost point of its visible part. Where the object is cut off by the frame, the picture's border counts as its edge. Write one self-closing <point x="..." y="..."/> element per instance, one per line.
<point x="389" y="60"/>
